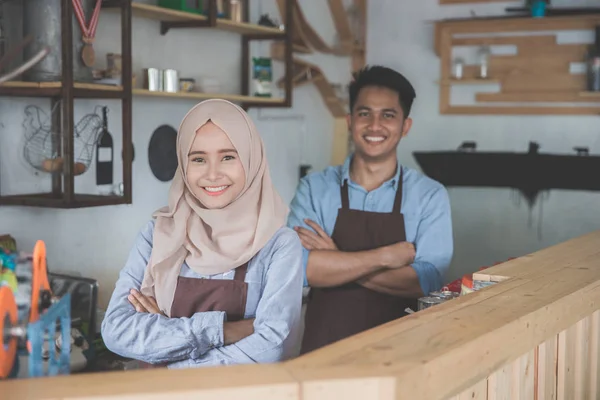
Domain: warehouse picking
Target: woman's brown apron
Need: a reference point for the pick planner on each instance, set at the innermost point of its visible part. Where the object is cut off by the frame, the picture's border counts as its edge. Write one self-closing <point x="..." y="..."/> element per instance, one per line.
<point x="338" y="312"/>
<point x="194" y="295"/>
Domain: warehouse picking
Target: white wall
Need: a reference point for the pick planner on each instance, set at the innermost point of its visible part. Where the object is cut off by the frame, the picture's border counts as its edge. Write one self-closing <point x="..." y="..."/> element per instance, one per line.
<point x="488" y="226"/>
<point x="95" y="241"/>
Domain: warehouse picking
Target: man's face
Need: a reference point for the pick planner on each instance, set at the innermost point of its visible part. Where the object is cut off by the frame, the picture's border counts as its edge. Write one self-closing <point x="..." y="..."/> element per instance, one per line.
<point x="377" y="123"/>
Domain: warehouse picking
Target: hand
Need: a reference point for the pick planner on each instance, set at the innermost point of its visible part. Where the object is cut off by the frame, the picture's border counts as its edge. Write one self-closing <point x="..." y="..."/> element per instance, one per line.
<point x="143" y="303"/>
<point x="233" y="332"/>
<point x="314" y="241"/>
<point x="398" y="255"/>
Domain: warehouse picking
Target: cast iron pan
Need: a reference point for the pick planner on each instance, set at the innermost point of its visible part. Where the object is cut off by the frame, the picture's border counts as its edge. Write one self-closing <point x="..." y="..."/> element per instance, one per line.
<point x="162" y="153"/>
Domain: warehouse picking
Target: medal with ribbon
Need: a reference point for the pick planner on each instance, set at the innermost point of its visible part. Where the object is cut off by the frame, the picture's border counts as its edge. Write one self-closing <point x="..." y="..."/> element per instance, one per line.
<point x="88" y="31"/>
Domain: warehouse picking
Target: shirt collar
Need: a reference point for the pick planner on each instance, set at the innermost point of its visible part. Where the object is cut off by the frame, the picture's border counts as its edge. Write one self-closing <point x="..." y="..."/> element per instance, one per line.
<point x="346" y="174"/>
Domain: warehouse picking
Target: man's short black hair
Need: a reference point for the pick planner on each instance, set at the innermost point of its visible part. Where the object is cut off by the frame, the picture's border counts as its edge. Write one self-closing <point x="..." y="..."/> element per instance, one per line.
<point x="378" y="75"/>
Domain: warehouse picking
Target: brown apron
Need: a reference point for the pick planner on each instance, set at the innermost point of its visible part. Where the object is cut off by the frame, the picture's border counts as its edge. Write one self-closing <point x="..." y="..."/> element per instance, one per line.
<point x="194" y="295"/>
<point x="338" y="312"/>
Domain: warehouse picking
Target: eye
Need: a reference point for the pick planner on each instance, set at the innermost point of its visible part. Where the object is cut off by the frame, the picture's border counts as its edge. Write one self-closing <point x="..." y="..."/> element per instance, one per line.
<point x="228" y="158"/>
<point x="198" y="159"/>
<point x="389" y="115"/>
<point x="363" y="113"/>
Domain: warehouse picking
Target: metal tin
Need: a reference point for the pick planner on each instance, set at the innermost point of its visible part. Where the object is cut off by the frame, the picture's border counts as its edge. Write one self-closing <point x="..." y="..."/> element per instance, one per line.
<point x="42" y="20"/>
<point x="153" y="79"/>
<point x="236" y="11"/>
<point x="429" y="301"/>
<point x="171" y="80"/>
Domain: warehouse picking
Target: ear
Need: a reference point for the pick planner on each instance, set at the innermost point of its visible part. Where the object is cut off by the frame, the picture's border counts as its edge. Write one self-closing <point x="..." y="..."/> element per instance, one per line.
<point x="406" y="126"/>
<point x="349" y="120"/>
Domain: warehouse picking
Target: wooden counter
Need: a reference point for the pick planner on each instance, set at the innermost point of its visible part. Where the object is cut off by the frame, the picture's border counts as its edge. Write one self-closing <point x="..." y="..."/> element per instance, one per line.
<point x="534" y="335"/>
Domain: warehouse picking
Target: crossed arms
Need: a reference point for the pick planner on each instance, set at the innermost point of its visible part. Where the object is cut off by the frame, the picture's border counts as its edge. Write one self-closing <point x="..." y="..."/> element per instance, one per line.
<point x="395" y="269"/>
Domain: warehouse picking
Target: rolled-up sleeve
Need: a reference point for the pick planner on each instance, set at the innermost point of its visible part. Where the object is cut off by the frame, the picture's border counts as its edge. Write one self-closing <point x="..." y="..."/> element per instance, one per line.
<point x="434" y="241"/>
<point x="302" y="208"/>
<point x="277" y="315"/>
<point x="154" y="338"/>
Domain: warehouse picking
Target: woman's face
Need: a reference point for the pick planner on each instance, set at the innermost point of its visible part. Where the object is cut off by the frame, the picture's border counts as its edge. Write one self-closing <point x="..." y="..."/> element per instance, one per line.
<point x="214" y="171"/>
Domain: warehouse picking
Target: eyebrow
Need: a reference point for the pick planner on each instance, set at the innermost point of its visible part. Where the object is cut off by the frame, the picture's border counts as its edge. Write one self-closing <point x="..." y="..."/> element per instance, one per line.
<point x="365" y="108"/>
<point x="220" y="151"/>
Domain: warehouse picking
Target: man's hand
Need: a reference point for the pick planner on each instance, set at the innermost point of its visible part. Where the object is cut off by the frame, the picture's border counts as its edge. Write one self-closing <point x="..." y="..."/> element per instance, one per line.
<point x="314" y="241"/>
<point x="143" y="303"/>
<point x="233" y="332"/>
<point x="398" y="255"/>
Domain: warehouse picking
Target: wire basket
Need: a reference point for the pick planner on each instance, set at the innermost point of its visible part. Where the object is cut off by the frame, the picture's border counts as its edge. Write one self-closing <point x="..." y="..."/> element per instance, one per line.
<point x="43" y="144"/>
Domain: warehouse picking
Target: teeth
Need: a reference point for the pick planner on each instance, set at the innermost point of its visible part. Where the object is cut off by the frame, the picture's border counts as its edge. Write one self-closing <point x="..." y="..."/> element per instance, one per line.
<point x="374" y="138"/>
<point x="215" y="189"/>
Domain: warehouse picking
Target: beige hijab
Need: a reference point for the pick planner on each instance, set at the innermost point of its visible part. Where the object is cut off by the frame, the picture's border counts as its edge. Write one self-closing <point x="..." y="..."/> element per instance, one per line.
<point x="218" y="240"/>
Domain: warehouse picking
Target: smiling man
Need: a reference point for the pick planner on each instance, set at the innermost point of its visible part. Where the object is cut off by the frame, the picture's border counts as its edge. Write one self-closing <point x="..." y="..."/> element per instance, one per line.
<point x="376" y="235"/>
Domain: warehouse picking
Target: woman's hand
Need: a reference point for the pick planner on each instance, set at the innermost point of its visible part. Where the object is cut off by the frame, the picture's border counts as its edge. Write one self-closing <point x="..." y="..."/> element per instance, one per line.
<point x="143" y="303"/>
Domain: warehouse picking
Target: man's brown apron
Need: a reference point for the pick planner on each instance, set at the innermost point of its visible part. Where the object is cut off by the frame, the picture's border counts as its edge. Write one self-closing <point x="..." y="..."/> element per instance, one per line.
<point x="338" y="312"/>
<point x="194" y="295"/>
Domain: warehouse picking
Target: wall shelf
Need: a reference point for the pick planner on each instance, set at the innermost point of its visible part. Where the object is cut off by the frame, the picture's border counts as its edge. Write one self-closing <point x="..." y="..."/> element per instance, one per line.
<point x="538" y="73"/>
<point x="469" y="81"/>
<point x="593" y="95"/>
<point x="237" y="98"/>
<point x="162" y="14"/>
<point x="50" y="200"/>
<point x="53" y="89"/>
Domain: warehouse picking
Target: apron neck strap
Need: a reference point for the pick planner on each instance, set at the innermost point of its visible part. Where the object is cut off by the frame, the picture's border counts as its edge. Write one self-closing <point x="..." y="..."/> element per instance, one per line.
<point x="398" y="200"/>
<point x="345" y="198"/>
<point x="240" y="273"/>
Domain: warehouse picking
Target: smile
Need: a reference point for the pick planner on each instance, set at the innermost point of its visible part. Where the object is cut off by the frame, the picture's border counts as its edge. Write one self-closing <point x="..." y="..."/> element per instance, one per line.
<point x="374" y="139"/>
<point x="215" y="190"/>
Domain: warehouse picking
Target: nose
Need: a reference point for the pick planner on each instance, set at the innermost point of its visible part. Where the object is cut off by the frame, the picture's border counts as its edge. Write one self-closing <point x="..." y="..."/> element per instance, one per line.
<point x="213" y="173"/>
<point x="375" y="123"/>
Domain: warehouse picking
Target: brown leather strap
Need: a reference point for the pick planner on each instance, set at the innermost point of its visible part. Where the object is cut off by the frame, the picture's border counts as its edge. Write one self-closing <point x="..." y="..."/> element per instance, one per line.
<point x="398" y="199"/>
<point x="345" y="198"/>
<point x="240" y="273"/>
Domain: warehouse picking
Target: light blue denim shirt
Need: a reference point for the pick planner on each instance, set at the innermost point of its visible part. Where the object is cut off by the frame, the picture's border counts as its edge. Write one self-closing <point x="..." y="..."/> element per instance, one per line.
<point x="425" y="206"/>
<point x="274" y="278"/>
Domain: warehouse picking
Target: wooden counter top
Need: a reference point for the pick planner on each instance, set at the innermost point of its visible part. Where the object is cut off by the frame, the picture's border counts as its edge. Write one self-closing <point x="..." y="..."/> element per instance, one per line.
<point x="535" y="333"/>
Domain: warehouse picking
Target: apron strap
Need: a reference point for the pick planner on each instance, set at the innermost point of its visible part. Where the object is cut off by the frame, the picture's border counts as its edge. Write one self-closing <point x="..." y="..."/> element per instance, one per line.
<point x="240" y="273"/>
<point x="398" y="199"/>
<point x="344" y="192"/>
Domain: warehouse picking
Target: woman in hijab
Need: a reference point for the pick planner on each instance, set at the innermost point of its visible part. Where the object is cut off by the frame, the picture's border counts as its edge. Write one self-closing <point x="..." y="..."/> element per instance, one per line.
<point x="215" y="277"/>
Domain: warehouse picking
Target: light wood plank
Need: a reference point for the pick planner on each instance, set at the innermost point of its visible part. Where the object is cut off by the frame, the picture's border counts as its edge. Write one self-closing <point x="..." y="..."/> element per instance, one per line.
<point x="516" y="24"/>
<point x="523" y="82"/>
<point x="558" y="97"/>
<point x="517" y="110"/>
<point x="470" y="81"/>
<point x="355" y="389"/>
<point x="149" y="11"/>
<point x="523" y="377"/>
<point x="594" y="356"/>
<point x="546" y="363"/>
<point x="546" y="40"/>
<point x="204" y="96"/>
<point x="256" y="382"/>
<point x="500" y="384"/>
<point x="341" y="138"/>
<point x="476" y="392"/>
<point x="565" y="387"/>
<point x="544" y="261"/>
<point x="582" y="361"/>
